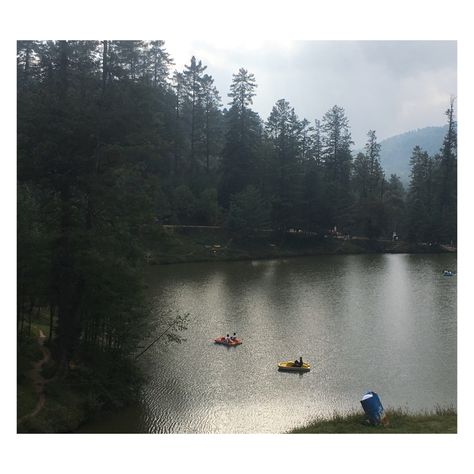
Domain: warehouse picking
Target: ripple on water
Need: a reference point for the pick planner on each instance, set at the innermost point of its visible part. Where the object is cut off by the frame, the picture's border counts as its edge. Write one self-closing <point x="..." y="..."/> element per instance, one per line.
<point x="365" y="322"/>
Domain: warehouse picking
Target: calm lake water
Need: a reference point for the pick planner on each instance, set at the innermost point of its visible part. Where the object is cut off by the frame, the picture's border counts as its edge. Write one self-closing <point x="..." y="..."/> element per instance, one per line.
<point x="385" y="323"/>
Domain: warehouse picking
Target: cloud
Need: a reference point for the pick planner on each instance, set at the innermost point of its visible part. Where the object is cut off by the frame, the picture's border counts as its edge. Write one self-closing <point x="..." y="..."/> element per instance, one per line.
<point x="389" y="86"/>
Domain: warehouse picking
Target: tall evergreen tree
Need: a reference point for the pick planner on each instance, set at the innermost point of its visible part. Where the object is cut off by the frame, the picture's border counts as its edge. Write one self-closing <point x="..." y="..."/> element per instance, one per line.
<point x="178" y="85"/>
<point x="337" y="160"/>
<point x="446" y="181"/>
<point x="420" y="197"/>
<point x="158" y="63"/>
<point x="242" y="138"/>
<point x="88" y="179"/>
<point x="394" y="202"/>
<point x="211" y="104"/>
<point x="193" y="77"/>
<point x="242" y="91"/>
<point x="368" y="186"/>
<point x="286" y="134"/>
<point x="317" y="146"/>
<point x="376" y="175"/>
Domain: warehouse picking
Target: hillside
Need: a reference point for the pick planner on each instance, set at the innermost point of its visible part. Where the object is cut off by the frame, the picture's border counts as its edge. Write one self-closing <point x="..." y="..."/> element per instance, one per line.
<point x="396" y="151"/>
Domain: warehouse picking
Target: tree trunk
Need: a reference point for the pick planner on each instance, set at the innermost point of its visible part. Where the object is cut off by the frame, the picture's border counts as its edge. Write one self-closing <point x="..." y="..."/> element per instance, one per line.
<point x="104" y="66"/>
<point x="51" y="317"/>
<point x="207" y="141"/>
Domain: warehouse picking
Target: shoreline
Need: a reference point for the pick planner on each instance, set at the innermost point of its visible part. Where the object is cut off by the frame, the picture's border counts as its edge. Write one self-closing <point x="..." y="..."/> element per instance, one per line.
<point x="440" y="420"/>
<point x="196" y="245"/>
<point x="56" y="417"/>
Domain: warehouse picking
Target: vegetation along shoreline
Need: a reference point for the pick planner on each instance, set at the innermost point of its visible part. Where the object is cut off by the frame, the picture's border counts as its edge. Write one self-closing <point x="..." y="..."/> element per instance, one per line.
<point x="124" y="161"/>
<point x="188" y="244"/>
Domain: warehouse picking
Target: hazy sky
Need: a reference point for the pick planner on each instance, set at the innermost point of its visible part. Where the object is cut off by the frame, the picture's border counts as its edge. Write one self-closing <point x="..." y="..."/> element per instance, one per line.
<point x="389" y="86"/>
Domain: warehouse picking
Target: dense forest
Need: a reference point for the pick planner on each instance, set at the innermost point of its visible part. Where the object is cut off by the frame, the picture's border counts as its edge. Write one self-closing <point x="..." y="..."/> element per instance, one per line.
<point x="112" y="142"/>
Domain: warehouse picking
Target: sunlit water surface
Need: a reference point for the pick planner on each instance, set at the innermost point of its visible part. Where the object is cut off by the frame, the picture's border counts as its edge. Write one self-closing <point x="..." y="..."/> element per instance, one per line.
<point x="364" y="322"/>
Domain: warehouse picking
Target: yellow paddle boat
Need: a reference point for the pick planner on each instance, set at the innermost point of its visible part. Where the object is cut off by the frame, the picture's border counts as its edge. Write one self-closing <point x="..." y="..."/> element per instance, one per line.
<point x="290" y="366"/>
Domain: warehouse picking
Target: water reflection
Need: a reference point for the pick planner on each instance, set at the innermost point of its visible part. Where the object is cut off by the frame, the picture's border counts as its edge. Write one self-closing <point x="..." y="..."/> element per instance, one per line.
<point x="380" y="322"/>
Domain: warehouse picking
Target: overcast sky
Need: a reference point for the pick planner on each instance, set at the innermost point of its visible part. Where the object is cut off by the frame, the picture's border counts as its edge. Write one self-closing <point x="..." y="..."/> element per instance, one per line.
<point x="389" y="86"/>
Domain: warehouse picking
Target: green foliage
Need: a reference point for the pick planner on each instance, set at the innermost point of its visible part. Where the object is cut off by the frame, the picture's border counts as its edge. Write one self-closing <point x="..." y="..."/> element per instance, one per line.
<point x="243" y="137"/>
<point x="109" y="144"/>
<point x="247" y="212"/>
<point x="337" y="159"/>
<point x="87" y="187"/>
<point x="368" y="184"/>
<point x="183" y="204"/>
<point x="394" y="200"/>
<point x="242" y="90"/>
<point x="207" y="207"/>
<point x="420" y="197"/>
<point x="432" y="196"/>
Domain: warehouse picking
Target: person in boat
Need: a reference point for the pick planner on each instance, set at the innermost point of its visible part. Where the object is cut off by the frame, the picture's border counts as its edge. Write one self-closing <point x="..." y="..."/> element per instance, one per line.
<point x="298" y="363"/>
<point x="227" y="339"/>
<point x="234" y="337"/>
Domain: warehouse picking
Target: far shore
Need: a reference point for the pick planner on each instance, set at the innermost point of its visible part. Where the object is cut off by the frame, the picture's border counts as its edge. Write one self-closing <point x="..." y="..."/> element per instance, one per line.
<point x="185" y="244"/>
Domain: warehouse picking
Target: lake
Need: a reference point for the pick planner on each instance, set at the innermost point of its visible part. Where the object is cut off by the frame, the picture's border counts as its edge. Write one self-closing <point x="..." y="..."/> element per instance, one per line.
<point x="380" y="322"/>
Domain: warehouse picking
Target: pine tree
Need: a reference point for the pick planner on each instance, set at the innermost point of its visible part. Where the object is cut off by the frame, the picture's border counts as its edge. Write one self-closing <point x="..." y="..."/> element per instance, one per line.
<point x="287" y="137"/>
<point x="87" y="177"/>
<point x="239" y="160"/>
<point x="242" y="91"/>
<point x="446" y="181"/>
<point x="211" y="103"/>
<point x="158" y="63"/>
<point x="421" y="220"/>
<point x="368" y="185"/>
<point x="337" y="161"/>
<point x="376" y="175"/>
<point x="317" y="146"/>
<point x="193" y="80"/>
<point x="179" y="135"/>
<point x="394" y="201"/>
<point x="247" y="213"/>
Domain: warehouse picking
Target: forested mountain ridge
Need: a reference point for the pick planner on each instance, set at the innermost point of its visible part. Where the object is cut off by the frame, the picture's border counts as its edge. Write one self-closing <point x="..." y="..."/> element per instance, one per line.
<point x="395" y="151"/>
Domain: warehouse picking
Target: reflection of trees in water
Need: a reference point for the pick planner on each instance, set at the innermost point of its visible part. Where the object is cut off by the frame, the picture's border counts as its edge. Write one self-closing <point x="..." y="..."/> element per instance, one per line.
<point x="359" y="320"/>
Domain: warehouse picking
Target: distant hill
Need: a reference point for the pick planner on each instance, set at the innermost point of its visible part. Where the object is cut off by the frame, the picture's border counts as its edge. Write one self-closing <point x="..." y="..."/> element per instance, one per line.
<point x="396" y="151"/>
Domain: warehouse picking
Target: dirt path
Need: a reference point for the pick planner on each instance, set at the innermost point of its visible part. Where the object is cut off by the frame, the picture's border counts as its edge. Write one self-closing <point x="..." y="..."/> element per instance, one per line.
<point x="38" y="380"/>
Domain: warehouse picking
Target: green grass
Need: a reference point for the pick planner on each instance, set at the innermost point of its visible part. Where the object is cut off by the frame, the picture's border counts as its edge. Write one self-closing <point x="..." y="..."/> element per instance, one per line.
<point x="400" y="421"/>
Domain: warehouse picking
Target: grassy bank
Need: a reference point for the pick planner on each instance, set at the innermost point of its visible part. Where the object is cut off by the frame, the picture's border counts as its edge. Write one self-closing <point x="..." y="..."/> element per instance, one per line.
<point x="438" y="421"/>
<point x="195" y="244"/>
